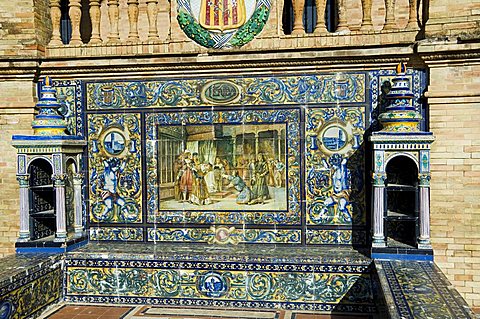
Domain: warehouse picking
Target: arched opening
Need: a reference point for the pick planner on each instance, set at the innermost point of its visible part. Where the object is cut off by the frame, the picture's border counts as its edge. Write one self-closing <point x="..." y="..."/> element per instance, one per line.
<point x="401" y="216"/>
<point x="42" y="200"/>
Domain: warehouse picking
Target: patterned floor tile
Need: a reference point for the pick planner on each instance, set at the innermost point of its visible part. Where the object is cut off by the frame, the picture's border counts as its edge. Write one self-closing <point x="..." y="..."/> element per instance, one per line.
<point x="89" y="312"/>
<point x="155" y="312"/>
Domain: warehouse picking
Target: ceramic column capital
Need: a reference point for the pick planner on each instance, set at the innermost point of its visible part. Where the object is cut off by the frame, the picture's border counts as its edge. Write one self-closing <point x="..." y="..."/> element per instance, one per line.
<point x="23" y="180"/>
<point x="379" y="179"/>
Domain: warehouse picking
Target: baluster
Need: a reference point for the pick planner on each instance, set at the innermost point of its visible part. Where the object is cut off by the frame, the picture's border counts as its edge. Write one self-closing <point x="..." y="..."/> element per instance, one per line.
<point x="55" y="15"/>
<point x="320" y="26"/>
<point x="367" y="15"/>
<point x="95" y="19"/>
<point x="133" y="20"/>
<point x="152" y="12"/>
<point x="412" y="16"/>
<point x="75" y="14"/>
<point x="298" y="6"/>
<point x="113" y="14"/>
<point x="389" y="15"/>
<point x="342" y="17"/>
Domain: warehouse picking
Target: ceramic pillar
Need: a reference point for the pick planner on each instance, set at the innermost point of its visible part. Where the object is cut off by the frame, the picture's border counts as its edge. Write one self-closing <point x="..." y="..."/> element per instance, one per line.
<point x="75" y="14"/>
<point x="298" y="6"/>
<point x="95" y="19"/>
<point x="367" y="15"/>
<point x="342" y="17"/>
<point x="424" y="236"/>
<point x="389" y="15"/>
<point x="320" y="27"/>
<point x="61" y="218"/>
<point x="378" y="209"/>
<point x="133" y="20"/>
<point x="77" y="198"/>
<point x="152" y="13"/>
<point x="412" y="15"/>
<point x="55" y="15"/>
<point x="23" y="181"/>
<point x="113" y="16"/>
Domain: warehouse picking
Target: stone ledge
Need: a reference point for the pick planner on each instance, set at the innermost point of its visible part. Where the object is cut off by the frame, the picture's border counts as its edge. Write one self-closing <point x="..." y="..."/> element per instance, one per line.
<point x="265" y="44"/>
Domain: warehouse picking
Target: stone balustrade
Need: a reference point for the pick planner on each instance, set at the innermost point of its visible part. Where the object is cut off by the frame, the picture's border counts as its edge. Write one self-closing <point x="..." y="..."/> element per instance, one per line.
<point x="110" y="23"/>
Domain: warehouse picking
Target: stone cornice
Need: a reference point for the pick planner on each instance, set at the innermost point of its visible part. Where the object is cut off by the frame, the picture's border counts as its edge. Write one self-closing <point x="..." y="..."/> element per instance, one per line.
<point x="212" y="62"/>
<point x="449" y="52"/>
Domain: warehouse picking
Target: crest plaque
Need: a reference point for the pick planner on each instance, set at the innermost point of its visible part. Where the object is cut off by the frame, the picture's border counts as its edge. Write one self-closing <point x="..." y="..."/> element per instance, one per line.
<point x="222" y="23"/>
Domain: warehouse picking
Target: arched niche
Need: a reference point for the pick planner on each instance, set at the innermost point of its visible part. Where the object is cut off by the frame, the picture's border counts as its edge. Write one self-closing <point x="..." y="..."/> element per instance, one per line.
<point x="401" y="201"/>
<point x="41" y="199"/>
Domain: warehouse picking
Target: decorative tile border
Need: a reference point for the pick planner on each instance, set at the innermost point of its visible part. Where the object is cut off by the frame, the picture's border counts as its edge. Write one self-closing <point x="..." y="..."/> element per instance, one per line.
<point x="70" y="97"/>
<point x="257" y="91"/>
<point x="336" y="237"/>
<point x="294" y="286"/>
<point x="224" y="235"/>
<point x="116" y="233"/>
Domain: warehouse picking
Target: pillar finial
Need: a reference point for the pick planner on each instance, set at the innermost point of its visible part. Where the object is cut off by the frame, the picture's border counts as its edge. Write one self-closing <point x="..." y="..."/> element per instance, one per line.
<point x="48" y="121"/>
<point x="400" y="115"/>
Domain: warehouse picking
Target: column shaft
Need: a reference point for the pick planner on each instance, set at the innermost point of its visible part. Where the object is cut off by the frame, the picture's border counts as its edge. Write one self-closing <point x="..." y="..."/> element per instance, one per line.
<point x="24" y="208"/>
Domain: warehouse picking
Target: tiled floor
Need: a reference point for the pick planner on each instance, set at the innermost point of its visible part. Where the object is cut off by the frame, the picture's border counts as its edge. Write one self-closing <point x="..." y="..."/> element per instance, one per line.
<point x="90" y="312"/>
<point x="152" y="312"/>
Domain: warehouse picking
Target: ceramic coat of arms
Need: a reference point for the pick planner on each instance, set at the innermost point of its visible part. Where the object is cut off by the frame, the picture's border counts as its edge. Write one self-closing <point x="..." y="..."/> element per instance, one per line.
<point x="222" y="23"/>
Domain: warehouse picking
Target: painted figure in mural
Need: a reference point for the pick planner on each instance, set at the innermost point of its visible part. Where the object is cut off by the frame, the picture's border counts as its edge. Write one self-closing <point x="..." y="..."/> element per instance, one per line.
<point x="200" y="194"/>
<point x="259" y="182"/>
<point x="218" y="172"/>
<point x="185" y="176"/>
<point x="340" y="182"/>
<point x="279" y="168"/>
<point x="109" y="184"/>
<point x="178" y="171"/>
<point x="271" y="171"/>
<point x="244" y="195"/>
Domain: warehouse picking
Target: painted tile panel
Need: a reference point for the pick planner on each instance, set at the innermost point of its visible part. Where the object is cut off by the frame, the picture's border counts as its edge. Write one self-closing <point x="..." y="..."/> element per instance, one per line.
<point x="114" y="161"/>
<point x="335" y="166"/>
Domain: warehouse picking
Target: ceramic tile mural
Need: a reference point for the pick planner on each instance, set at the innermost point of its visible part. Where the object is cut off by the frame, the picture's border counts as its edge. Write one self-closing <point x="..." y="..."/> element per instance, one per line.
<point x="236" y="167"/>
<point x="170" y="158"/>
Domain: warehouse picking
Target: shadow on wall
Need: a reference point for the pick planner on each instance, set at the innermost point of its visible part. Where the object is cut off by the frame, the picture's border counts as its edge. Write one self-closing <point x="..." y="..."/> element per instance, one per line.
<point x="366" y="293"/>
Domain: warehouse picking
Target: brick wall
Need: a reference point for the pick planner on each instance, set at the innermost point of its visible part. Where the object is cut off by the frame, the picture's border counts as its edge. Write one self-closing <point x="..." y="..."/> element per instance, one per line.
<point x="454" y="101"/>
<point x="453" y="18"/>
<point x="17" y="31"/>
<point x="16" y="114"/>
